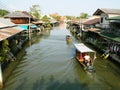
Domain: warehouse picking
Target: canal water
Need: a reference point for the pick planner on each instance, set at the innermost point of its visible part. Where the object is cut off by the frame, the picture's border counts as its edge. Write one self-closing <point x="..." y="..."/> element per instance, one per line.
<point x="47" y="62"/>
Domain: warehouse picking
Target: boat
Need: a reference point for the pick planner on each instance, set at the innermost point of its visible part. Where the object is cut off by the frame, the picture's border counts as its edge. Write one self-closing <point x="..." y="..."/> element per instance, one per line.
<point x="81" y="52"/>
<point x="68" y="39"/>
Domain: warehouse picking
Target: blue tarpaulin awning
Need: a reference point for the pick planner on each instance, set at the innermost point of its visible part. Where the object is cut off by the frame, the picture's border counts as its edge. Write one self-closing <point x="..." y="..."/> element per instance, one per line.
<point x="24" y="27"/>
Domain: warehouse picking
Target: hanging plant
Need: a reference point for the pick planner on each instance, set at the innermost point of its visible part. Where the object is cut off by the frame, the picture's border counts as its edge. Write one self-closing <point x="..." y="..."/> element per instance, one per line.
<point x="5" y="50"/>
<point x="5" y="43"/>
<point x="1" y="58"/>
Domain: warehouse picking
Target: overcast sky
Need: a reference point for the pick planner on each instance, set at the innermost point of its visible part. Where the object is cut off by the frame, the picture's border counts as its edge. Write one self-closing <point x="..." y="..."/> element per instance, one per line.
<point x="62" y="7"/>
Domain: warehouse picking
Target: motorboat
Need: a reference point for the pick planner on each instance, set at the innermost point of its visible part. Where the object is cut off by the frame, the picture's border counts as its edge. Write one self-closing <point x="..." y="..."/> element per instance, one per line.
<point x="68" y="39"/>
<point x="81" y="53"/>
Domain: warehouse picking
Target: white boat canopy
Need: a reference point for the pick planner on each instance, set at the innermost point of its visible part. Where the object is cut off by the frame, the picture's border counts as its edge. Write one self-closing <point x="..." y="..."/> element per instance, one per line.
<point x="82" y="48"/>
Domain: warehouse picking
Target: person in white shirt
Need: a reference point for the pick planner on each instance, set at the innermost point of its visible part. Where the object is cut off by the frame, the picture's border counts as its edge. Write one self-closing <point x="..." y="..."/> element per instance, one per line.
<point x="87" y="58"/>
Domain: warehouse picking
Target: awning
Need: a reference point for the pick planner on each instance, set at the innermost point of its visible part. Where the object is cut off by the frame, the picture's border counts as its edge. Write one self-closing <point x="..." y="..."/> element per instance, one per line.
<point x="111" y="37"/>
<point x="8" y="32"/>
<point x="114" y="18"/>
<point x="24" y="27"/>
<point x="82" y="48"/>
<point x="96" y="30"/>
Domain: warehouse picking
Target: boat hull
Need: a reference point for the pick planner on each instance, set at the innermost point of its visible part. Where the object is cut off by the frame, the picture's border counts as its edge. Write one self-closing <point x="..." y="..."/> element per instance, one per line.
<point x="89" y="68"/>
<point x="68" y="39"/>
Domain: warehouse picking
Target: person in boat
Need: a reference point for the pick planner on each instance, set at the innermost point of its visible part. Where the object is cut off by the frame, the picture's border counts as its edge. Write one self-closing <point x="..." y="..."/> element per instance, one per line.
<point x="87" y="59"/>
<point x="68" y="37"/>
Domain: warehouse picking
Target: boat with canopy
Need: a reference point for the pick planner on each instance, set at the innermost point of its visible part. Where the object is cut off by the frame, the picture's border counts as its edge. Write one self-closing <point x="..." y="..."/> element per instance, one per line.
<point x="68" y="39"/>
<point x="85" y="56"/>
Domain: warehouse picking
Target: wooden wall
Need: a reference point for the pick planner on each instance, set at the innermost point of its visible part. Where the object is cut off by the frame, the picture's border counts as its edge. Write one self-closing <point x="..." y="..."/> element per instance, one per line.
<point x="20" y="20"/>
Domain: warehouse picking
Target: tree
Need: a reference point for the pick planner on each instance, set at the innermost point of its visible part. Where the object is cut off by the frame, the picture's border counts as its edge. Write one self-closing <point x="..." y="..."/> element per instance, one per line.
<point x="83" y="15"/>
<point x="71" y="17"/>
<point x="68" y="17"/>
<point x="35" y="11"/>
<point x="45" y="18"/>
<point x="58" y="18"/>
<point x="55" y="16"/>
<point x="3" y="12"/>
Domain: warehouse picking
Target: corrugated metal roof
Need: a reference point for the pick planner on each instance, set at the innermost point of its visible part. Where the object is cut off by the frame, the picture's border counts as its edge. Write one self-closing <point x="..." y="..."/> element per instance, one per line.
<point x="5" y="23"/>
<point x="111" y="11"/>
<point x="18" y="15"/>
<point x="91" y="21"/>
<point x="8" y="32"/>
<point x="8" y="29"/>
<point x="82" y="48"/>
<point x="107" y="11"/>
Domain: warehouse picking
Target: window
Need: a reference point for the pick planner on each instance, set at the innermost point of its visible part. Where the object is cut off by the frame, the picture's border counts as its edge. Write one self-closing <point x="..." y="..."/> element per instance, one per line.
<point x="101" y="19"/>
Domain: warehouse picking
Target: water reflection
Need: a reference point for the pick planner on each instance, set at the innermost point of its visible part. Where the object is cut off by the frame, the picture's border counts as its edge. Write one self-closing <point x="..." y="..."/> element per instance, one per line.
<point x="48" y="63"/>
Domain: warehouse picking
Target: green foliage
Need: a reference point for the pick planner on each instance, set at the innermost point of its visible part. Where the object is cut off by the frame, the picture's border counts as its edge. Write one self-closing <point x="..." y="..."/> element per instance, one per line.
<point x="45" y="18"/>
<point x="1" y="58"/>
<point x="70" y="17"/>
<point x="5" y="43"/>
<point x="4" y="50"/>
<point x="77" y="18"/>
<point x="3" y="12"/>
<point x="57" y="18"/>
<point x="35" y="11"/>
<point x="83" y="15"/>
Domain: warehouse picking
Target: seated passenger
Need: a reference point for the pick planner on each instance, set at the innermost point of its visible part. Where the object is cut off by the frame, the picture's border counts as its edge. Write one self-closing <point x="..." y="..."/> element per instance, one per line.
<point x="87" y="59"/>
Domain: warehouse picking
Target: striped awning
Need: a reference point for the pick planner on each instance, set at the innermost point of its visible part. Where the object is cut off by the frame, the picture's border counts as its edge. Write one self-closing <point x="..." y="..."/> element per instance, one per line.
<point x="8" y="32"/>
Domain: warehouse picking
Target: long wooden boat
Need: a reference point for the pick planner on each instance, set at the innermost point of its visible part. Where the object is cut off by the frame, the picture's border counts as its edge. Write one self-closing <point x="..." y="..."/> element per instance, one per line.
<point x="68" y="39"/>
<point x="81" y="52"/>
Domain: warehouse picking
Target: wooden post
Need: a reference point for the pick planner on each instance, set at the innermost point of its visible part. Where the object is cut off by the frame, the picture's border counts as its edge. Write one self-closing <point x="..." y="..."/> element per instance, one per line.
<point x="1" y="78"/>
<point x="29" y="32"/>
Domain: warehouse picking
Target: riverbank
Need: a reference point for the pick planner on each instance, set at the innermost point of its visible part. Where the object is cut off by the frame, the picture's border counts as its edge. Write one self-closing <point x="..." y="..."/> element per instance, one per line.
<point x="47" y="62"/>
<point x="101" y="42"/>
<point x="8" y="66"/>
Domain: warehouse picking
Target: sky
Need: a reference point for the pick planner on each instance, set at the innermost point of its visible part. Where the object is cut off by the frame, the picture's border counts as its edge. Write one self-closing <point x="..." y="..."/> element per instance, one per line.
<point x="62" y="7"/>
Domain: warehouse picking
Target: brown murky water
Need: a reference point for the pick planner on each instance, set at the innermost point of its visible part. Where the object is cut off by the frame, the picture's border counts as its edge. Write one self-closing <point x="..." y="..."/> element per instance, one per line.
<point x="48" y="63"/>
